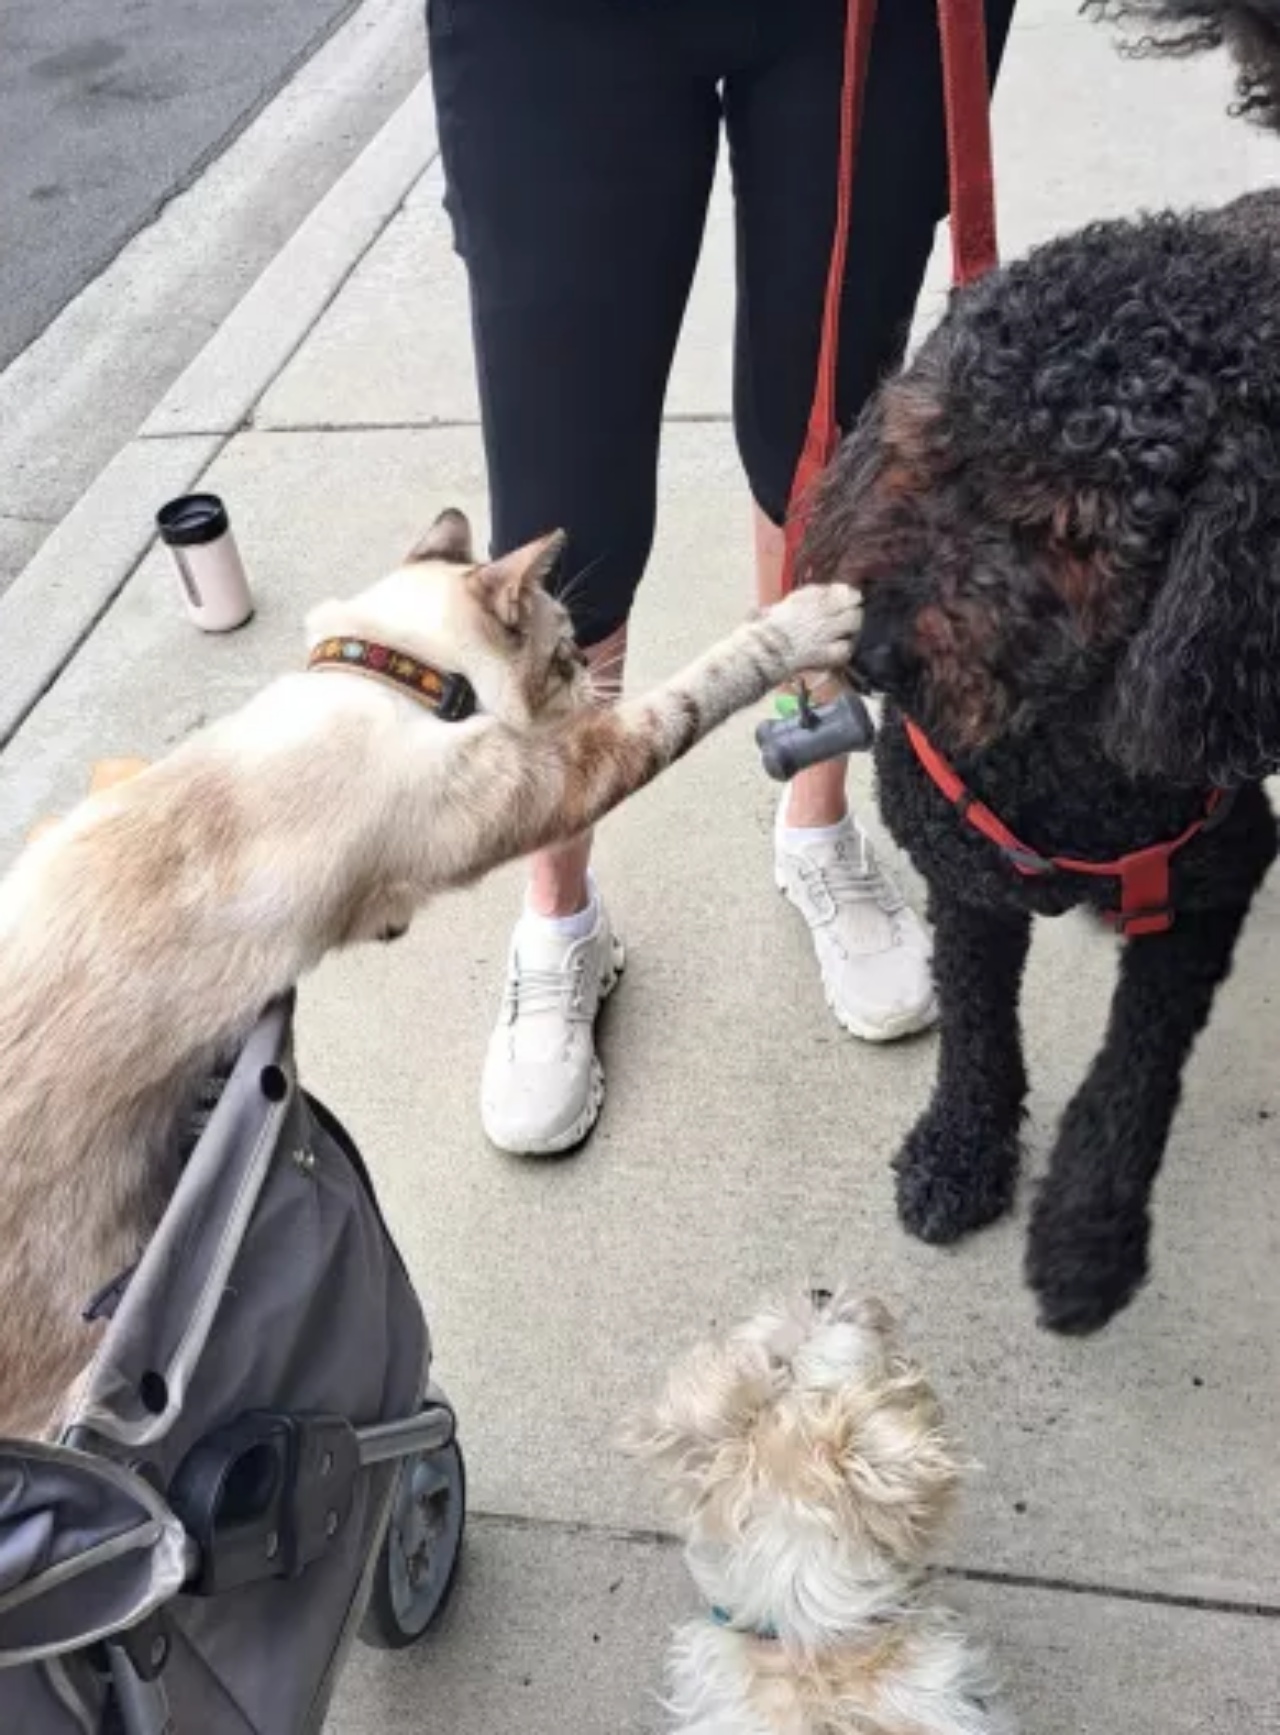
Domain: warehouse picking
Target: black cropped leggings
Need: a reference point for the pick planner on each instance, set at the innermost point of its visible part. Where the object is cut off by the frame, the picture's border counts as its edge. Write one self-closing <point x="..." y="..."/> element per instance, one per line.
<point x="579" y="140"/>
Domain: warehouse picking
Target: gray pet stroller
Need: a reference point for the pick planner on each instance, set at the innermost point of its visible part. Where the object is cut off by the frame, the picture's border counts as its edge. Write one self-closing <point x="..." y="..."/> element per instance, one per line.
<point x="257" y="1466"/>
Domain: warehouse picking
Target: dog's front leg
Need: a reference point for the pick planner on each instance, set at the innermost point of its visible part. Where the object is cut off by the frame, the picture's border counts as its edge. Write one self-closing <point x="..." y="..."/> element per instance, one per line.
<point x="1087" y="1252"/>
<point x="959" y="1166"/>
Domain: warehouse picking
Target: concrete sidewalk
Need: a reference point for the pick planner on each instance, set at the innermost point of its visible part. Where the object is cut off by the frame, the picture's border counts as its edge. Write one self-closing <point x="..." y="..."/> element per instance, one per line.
<point x="1121" y="1549"/>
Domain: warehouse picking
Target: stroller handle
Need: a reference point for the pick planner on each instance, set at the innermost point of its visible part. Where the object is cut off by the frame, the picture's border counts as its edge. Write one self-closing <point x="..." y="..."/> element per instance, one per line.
<point x="433" y="1428"/>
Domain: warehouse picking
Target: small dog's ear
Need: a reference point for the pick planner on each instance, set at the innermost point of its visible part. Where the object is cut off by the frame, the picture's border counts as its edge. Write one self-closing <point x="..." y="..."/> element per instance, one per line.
<point x="899" y="1462"/>
<point x="1197" y="697"/>
<point x="710" y="1401"/>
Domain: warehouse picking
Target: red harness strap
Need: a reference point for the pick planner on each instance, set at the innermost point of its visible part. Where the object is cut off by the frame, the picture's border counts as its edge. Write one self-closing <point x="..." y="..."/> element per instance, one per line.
<point x="962" y="29"/>
<point x="1146" y="903"/>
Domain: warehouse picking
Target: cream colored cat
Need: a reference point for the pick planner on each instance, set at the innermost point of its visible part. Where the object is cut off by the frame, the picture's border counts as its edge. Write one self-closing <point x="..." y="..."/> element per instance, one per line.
<point x="142" y="935"/>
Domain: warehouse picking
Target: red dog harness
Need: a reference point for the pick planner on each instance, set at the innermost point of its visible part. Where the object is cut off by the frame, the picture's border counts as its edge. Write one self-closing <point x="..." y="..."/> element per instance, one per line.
<point x="1146" y="904"/>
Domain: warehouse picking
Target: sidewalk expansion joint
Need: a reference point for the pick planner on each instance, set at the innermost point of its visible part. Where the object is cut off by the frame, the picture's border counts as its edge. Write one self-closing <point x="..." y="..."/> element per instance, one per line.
<point x="434" y="424"/>
<point x="246" y="424"/>
<point x="643" y="1538"/>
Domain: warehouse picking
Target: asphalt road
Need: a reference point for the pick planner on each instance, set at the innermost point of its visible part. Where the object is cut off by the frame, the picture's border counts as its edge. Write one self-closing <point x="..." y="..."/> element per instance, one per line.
<point x="108" y="108"/>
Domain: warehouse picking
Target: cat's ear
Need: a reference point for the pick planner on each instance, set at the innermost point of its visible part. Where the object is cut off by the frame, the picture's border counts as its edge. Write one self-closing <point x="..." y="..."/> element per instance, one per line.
<point x="449" y="538"/>
<point x="504" y="586"/>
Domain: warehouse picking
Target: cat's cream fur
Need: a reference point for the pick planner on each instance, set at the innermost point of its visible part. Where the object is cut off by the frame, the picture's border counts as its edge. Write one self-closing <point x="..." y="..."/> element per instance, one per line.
<point x="144" y="933"/>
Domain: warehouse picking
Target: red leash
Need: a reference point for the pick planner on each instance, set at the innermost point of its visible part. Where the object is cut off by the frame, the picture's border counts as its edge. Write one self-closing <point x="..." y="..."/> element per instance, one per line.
<point x="1144" y="874"/>
<point x="962" y="29"/>
<point x="962" y="25"/>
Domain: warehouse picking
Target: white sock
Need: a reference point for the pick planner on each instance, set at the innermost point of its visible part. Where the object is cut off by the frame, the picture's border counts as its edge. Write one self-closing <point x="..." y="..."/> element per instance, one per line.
<point x="574" y="927"/>
<point x="797" y="836"/>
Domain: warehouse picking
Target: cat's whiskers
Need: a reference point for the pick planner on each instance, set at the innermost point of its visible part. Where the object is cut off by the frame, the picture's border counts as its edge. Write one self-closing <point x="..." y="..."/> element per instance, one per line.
<point x="568" y="592"/>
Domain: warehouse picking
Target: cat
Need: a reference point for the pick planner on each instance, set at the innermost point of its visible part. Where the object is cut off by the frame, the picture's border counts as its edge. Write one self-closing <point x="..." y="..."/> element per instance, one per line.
<point x="142" y="935"/>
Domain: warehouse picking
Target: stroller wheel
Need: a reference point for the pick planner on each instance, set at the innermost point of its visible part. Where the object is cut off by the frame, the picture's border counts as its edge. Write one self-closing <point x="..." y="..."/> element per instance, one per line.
<point x="419" y="1560"/>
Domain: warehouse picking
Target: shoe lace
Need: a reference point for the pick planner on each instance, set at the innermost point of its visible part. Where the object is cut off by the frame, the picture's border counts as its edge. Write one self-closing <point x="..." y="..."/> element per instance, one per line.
<point x="532" y="990"/>
<point x="851" y="874"/>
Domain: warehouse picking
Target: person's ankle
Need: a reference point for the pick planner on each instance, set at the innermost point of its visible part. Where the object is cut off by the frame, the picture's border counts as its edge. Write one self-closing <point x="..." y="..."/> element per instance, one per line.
<point x="816" y="800"/>
<point x="561" y="903"/>
<point x="814" y="810"/>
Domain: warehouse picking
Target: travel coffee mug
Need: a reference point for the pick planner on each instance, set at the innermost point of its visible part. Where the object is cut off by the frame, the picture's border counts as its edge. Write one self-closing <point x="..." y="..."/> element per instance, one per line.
<point x="197" y="532"/>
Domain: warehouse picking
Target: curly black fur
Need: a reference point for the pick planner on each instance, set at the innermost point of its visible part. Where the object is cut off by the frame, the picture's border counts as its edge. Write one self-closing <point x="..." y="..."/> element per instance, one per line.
<point x="1250" y="29"/>
<point x="1064" y="518"/>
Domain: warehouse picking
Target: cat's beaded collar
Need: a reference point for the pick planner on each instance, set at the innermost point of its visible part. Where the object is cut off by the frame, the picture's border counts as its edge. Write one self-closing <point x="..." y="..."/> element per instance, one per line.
<point x="448" y="696"/>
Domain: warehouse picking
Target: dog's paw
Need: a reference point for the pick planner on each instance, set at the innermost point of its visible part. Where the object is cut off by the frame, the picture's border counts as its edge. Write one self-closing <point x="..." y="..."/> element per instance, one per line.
<point x="1083" y="1270"/>
<point x="953" y="1178"/>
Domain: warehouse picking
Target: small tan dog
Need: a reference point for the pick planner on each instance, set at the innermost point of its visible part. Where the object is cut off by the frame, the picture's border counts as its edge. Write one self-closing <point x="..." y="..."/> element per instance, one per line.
<point x="806" y="1465"/>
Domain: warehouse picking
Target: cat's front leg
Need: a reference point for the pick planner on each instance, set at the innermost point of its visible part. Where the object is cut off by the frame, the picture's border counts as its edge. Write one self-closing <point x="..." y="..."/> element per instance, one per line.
<point x="528" y="794"/>
<point x="812" y="631"/>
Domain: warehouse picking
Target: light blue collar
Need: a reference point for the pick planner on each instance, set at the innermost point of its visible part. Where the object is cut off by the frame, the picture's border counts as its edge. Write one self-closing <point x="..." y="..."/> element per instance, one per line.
<point x="723" y="1618"/>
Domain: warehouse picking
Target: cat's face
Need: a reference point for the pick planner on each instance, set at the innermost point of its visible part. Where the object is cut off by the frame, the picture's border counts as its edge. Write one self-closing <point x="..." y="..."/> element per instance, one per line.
<point x="526" y="664"/>
<point x="493" y="622"/>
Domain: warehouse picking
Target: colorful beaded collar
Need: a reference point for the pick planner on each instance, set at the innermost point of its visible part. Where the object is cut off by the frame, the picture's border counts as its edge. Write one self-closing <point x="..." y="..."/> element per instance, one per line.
<point x="448" y="696"/>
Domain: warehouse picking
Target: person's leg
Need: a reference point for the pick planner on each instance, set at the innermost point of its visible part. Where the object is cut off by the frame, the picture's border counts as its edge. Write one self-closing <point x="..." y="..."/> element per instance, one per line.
<point x="579" y="145"/>
<point x="559" y="879"/>
<point x="782" y="114"/>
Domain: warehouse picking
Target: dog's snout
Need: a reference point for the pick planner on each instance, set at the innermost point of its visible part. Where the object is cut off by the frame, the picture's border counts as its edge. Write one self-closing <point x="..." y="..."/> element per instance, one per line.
<point x="820" y="1297"/>
<point x="876" y="660"/>
<point x="884" y="655"/>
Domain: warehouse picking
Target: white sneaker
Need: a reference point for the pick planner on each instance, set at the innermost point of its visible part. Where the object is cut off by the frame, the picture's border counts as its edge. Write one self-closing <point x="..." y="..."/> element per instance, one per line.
<point x="872" y="948"/>
<point x="543" y="1084"/>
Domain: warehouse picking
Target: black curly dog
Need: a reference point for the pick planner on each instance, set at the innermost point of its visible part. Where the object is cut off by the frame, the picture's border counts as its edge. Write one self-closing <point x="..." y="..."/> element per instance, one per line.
<point x="1064" y="518"/>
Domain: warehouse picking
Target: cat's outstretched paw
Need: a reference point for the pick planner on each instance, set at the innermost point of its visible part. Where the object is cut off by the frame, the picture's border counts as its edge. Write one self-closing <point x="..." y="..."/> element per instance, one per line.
<point x="820" y="625"/>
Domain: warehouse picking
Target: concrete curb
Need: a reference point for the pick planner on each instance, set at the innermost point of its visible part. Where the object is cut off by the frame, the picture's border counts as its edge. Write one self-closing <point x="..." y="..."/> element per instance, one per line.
<point x="62" y="593"/>
<point x="76" y="394"/>
<point x="230" y="374"/>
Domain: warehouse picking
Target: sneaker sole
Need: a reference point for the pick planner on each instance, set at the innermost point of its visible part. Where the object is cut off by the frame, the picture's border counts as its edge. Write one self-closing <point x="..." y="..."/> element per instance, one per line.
<point x="904" y="1024"/>
<point x="562" y="1143"/>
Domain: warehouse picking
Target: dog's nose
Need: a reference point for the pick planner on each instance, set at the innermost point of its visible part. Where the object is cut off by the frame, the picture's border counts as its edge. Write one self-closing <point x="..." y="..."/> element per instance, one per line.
<point x="876" y="661"/>
<point x="820" y="1297"/>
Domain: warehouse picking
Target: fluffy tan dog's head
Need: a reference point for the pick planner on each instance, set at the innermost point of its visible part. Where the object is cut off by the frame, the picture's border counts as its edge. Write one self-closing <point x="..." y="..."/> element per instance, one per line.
<point x="804" y="1459"/>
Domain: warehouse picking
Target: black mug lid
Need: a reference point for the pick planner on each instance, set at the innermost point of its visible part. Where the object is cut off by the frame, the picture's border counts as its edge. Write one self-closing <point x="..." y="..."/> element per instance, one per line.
<point x="192" y="519"/>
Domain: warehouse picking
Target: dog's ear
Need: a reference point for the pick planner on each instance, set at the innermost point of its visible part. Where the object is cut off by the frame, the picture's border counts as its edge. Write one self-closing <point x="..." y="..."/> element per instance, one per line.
<point x="1197" y="697"/>
<point x="1249" y="28"/>
<point x="710" y="1401"/>
<point x="898" y="1461"/>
